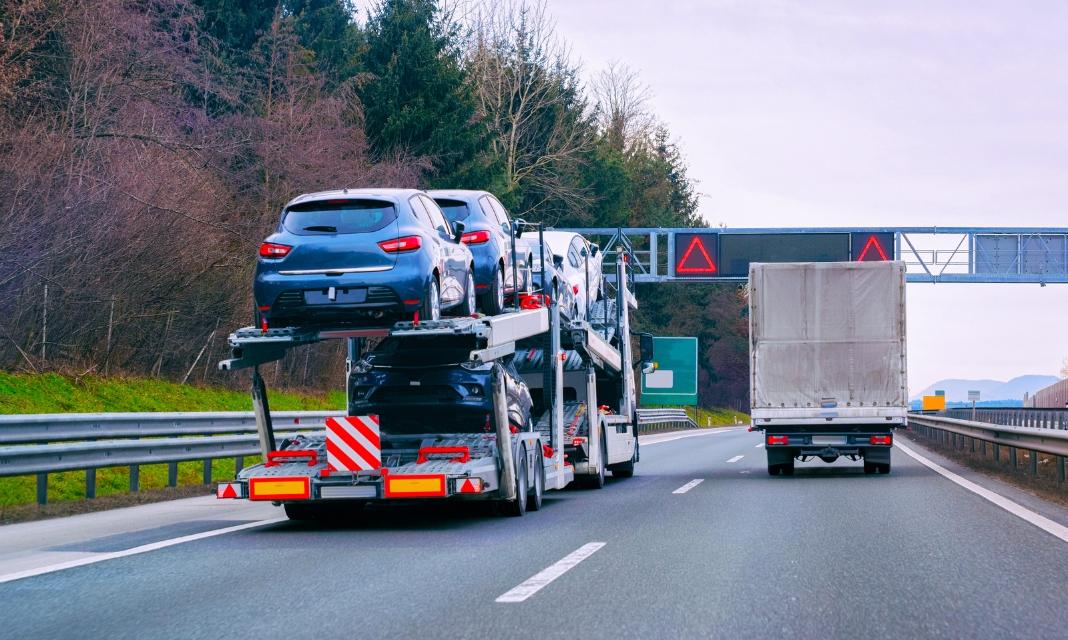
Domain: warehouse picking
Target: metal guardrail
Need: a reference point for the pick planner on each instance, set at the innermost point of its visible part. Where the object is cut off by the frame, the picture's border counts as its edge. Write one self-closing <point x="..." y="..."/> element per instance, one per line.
<point x="653" y="420"/>
<point x="50" y="443"/>
<point x="1015" y="416"/>
<point x="958" y="433"/>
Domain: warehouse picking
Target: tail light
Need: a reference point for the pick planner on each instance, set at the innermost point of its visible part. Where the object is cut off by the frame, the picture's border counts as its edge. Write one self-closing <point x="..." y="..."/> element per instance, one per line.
<point x="475" y="237"/>
<point x="774" y="440"/>
<point x="574" y="289"/>
<point x="887" y="440"/>
<point x="401" y="245"/>
<point x="273" y="250"/>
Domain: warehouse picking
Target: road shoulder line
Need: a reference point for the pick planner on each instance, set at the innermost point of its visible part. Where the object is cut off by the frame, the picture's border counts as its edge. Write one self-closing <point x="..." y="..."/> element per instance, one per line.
<point x="1042" y="522"/>
<point x="102" y="557"/>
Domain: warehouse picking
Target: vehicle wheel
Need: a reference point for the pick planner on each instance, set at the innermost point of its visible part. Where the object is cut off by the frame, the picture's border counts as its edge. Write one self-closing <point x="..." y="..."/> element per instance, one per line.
<point x="871" y="468"/>
<point x="302" y="512"/>
<point x="538" y="491"/>
<point x="787" y="468"/>
<point x="774" y="469"/>
<point x="431" y="309"/>
<point x="596" y="481"/>
<point x="528" y="279"/>
<point x="467" y="307"/>
<point x="493" y="300"/>
<point x="885" y="468"/>
<point x="516" y="508"/>
<point x="625" y="469"/>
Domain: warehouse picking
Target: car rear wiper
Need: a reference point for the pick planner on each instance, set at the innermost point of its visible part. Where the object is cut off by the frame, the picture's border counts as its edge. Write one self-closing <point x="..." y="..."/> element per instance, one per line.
<point x="320" y="227"/>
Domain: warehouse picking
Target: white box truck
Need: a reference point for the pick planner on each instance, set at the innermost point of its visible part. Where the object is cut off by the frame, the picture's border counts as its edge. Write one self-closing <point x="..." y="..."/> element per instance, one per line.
<point x="827" y="361"/>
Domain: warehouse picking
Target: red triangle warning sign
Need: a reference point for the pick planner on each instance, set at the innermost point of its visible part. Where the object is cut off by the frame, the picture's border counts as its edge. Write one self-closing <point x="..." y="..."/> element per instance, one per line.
<point x="228" y="492"/>
<point x="696" y="259"/>
<point x="467" y="487"/>
<point x="872" y="244"/>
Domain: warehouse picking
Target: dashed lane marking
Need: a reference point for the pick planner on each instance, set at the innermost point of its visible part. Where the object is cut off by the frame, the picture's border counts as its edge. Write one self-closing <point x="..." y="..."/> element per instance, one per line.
<point x="541" y="579"/>
<point x="689" y="485"/>
<point x="735" y="458"/>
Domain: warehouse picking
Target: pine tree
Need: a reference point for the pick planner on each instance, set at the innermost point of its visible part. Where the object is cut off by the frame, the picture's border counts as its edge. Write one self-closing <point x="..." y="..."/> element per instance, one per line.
<point x="418" y="100"/>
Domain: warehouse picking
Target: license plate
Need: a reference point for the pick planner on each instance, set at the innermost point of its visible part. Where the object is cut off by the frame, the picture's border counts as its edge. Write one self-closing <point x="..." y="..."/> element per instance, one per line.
<point x="828" y="440"/>
<point x="415" y="486"/>
<point x="340" y="296"/>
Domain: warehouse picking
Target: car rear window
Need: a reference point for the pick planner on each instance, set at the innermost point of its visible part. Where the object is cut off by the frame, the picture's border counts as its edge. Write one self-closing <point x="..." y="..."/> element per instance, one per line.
<point x="454" y="210"/>
<point x="338" y="216"/>
<point x="422" y="351"/>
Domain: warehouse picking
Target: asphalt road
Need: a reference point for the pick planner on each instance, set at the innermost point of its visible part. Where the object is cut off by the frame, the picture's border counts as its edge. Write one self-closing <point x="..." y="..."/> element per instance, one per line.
<point x="827" y="553"/>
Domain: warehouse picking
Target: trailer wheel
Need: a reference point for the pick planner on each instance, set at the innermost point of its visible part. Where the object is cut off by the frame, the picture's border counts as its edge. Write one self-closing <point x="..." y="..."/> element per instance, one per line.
<point x="538" y="491"/>
<point x="774" y="469"/>
<point x="873" y="468"/>
<point x="301" y="512"/>
<point x="596" y="481"/>
<point x="625" y="469"/>
<point x="516" y="508"/>
<point x="787" y="468"/>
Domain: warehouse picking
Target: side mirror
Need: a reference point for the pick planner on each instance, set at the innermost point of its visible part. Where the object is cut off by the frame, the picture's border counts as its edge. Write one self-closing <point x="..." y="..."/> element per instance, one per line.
<point x="517" y="227"/>
<point x="457" y="231"/>
<point x="558" y="262"/>
<point x="645" y="349"/>
<point x="594" y="250"/>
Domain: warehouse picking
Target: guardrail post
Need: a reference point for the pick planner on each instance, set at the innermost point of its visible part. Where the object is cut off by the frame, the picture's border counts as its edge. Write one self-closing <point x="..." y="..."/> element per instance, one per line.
<point x="1012" y="456"/>
<point x="239" y="464"/>
<point x="997" y="453"/>
<point x="1034" y="462"/>
<point x="172" y="474"/>
<point x="207" y="470"/>
<point x="90" y="484"/>
<point x="982" y="447"/>
<point x="1060" y="468"/>
<point x="42" y="488"/>
<point x="135" y="478"/>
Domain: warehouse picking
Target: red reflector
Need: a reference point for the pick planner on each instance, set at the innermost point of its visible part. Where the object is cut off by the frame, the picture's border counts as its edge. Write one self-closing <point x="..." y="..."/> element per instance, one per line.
<point x="881" y="440"/>
<point x="578" y="442"/>
<point x="272" y="250"/>
<point x="574" y="289"/>
<point x="401" y="245"/>
<point x="773" y="440"/>
<point x="475" y="237"/>
<point x="528" y="301"/>
<point x="265" y="307"/>
<point x="469" y="485"/>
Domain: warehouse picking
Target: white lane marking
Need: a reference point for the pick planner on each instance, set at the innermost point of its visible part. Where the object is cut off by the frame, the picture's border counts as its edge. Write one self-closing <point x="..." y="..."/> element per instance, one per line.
<point x="101" y="557"/>
<point x="689" y="485"/>
<point x="1016" y="509"/>
<point x="541" y="579"/>
<point x="710" y="432"/>
<point x="735" y="458"/>
<point x="759" y="445"/>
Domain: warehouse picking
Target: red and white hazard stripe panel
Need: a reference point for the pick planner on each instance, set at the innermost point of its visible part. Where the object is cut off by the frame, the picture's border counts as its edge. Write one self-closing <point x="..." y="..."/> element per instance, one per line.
<point x="353" y="443"/>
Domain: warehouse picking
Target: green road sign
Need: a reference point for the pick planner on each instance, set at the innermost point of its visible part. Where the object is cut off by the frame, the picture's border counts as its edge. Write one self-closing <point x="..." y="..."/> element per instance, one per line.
<point x="674" y="381"/>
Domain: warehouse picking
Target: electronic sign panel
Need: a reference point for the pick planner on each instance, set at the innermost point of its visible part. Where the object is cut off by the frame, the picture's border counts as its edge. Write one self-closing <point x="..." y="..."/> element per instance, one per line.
<point x="737" y="250"/>
<point x="873" y="247"/>
<point x="696" y="255"/>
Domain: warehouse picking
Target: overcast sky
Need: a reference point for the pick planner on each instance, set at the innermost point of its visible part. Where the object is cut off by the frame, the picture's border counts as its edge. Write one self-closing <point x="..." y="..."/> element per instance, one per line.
<point x="837" y="112"/>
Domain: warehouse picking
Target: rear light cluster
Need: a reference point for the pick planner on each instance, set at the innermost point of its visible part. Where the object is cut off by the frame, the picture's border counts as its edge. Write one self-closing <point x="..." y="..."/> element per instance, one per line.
<point x="887" y="440"/>
<point x="774" y="440"/>
<point x="273" y="250"/>
<point x="475" y="237"/>
<point x="401" y="245"/>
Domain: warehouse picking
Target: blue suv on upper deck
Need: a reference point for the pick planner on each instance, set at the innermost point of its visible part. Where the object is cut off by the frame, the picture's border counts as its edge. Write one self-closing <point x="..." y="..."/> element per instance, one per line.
<point x="362" y="256"/>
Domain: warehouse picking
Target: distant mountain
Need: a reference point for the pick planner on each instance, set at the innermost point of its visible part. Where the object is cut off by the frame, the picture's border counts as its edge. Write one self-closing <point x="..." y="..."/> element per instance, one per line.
<point x="957" y="390"/>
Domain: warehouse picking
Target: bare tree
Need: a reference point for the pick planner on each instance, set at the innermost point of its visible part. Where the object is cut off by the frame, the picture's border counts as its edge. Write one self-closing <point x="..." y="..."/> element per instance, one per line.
<point x="622" y="110"/>
<point x="524" y="81"/>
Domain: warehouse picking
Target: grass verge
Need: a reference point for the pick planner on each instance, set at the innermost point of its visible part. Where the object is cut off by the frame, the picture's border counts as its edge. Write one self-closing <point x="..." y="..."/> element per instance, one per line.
<point x="54" y="393"/>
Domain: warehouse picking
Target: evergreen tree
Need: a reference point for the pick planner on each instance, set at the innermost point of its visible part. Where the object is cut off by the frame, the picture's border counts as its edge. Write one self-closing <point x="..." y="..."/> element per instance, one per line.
<point x="417" y="100"/>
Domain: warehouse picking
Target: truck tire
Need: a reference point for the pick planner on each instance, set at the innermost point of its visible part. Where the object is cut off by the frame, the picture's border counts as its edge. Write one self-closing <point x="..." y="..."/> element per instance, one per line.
<point x="518" y="507"/>
<point x="625" y="469"/>
<point x="774" y="469"/>
<point x="873" y="468"/>
<point x="537" y="492"/>
<point x="333" y="511"/>
<point x="596" y="481"/>
<point x="431" y="309"/>
<point x="788" y="468"/>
